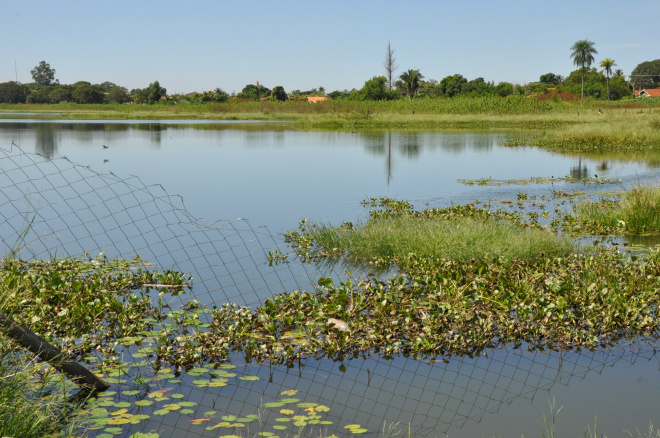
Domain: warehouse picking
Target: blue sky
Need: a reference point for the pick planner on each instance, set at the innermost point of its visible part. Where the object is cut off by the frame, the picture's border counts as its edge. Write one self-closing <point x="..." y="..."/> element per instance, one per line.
<point x="196" y="45"/>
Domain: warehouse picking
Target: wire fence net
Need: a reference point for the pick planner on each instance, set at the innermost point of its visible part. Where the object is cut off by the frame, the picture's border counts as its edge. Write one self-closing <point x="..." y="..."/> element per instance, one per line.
<point x="55" y="208"/>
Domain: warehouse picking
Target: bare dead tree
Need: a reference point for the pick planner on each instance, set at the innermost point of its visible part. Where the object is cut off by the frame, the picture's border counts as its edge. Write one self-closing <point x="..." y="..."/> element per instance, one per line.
<point x="390" y="65"/>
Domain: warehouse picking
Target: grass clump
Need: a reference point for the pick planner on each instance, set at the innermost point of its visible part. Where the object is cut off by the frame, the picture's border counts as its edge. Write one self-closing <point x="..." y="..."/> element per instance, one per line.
<point x="469" y="238"/>
<point x="395" y="233"/>
<point x="33" y="398"/>
<point x="636" y="211"/>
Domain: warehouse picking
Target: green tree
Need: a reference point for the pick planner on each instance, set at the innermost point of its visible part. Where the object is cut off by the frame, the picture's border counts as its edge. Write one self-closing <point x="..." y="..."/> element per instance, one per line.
<point x="589" y="81"/>
<point x="583" y="52"/>
<point x="84" y="92"/>
<point x="43" y="74"/>
<point x="278" y="93"/>
<point x="254" y="92"/>
<point x="219" y="95"/>
<point x="410" y="80"/>
<point x="375" y="89"/>
<point x="503" y="89"/>
<point x="13" y="92"/>
<point x="607" y="65"/>
<point x="453" y="85"/>
<point x="61" y="93"/>
<point x="117" y="94"/>
<point x="155" y="92"/>
<point x="646" y="75"/>
<point x="549" y="78"/>
<point x="40" y="95"/>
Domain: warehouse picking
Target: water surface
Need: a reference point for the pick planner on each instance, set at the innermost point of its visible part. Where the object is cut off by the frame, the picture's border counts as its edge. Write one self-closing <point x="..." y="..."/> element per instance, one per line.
<point x="274" y="175"/>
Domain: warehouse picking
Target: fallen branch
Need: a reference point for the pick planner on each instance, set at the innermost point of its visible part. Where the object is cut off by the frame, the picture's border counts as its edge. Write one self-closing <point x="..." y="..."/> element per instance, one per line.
<point x="51" y="354"/>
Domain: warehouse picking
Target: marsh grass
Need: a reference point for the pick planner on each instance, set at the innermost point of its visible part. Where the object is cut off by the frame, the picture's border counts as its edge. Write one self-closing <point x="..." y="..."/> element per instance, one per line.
<point x="636" y="211"/>
<point x="33" y="397"/>
<point x="458" y="240"/>
<point x="620" y="131"/>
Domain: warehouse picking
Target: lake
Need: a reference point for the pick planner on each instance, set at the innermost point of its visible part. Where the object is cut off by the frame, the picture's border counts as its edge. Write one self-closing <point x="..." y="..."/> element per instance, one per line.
<point x="241" y="185"/>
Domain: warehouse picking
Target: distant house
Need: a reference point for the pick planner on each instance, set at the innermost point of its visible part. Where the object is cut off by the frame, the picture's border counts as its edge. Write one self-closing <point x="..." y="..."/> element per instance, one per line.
<point x="315" y="99"/>
<point x="648" y="92"/>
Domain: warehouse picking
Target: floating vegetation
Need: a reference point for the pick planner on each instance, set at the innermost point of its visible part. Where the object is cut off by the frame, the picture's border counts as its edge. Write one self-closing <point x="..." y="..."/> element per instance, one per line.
<point x="536" y="180"/>
<point x="436" y="305"/>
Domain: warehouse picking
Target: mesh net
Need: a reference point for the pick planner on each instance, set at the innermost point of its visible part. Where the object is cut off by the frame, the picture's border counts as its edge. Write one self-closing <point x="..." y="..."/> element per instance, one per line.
<point x="54" y="208"/>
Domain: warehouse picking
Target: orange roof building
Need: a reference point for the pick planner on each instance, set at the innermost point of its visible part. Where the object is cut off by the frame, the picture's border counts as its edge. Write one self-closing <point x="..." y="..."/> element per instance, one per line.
<point x="648" y="92"/>
<point x="315" y="99"/>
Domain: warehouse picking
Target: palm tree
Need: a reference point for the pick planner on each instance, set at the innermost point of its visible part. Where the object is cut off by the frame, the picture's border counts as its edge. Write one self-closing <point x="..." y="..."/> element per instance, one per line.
<point x="583" y="55"/>
<point x="607" y="65"/>
<point x="410" y="80"/>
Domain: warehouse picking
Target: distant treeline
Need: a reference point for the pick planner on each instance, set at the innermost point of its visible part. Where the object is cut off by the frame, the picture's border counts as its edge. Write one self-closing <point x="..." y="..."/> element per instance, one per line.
<point x="377" y="88"/>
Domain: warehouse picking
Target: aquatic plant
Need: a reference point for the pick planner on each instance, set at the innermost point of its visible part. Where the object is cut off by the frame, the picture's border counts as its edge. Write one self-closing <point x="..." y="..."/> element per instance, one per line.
<point x="634" y="211"/>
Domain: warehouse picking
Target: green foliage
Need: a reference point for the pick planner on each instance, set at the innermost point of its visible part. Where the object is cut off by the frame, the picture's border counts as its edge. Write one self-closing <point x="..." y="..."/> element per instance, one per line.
<point x="453" y="85"/>
<point x="84" y="304"/>
<point x="13" y="92"/>
<point x="251" y="91"/>
<point x="278" y="94"/>
<point x="43" y="74"/>
<point x="646" y="75"/>
<point x="150" y="95"/>
<point x="550" y="78"/>
<point x="33" y="400"/>
<point x="583" y="52"/>
<point x="87" y="93"/>
<point x="375" y="89"/>
<point x="61" y="93"/>
<point x="636" y="211"/>
<point x="117" y="94"/>
<point x="410" y="82"/>
<point x="458" y="233"/>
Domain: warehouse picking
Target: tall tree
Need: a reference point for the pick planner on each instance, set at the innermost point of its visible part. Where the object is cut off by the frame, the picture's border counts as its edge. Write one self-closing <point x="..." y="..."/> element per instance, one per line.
<point x="390" y="65"/>
<point x="410" y="80"/>
<point x="583" y="52"/>
<point x="646" y="75"/>
<point x="42" y="74"/>
<point x="278" y="93"/>
<point x="607" y="65"/>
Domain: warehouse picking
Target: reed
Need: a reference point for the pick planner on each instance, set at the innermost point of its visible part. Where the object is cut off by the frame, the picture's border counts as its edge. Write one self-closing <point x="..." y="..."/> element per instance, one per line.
<point x="33" y="399"/>
<point x="636" y="211"/>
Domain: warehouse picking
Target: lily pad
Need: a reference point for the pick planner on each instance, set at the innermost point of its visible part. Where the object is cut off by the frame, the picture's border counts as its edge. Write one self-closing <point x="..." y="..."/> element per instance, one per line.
<point x="144" y="403"/>
<point x="250" y="378"/>
<point x="290" y="400"/>
<point x="274" y="404"/>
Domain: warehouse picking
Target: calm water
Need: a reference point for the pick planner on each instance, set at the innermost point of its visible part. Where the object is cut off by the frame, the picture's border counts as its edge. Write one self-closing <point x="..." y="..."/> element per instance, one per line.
<point x="273" y="175"/>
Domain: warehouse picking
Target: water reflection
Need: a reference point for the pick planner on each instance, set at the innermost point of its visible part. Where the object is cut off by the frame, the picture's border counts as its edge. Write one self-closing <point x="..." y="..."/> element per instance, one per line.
<point x="579" y="171"/>
<point x="46" y="142"/>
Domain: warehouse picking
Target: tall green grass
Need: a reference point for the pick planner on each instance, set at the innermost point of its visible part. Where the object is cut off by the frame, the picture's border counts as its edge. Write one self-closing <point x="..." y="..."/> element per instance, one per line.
<point x="463" y="239"/>
<point x="637" y="211"/>
<point x="33" y="396"/>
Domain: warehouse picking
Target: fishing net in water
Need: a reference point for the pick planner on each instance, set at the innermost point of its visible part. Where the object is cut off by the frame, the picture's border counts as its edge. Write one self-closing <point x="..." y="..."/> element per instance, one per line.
<point x="56" y="208"/>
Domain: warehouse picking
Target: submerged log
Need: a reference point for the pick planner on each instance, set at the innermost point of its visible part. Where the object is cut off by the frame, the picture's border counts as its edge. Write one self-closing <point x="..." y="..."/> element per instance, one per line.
<point x="51" y="354"/>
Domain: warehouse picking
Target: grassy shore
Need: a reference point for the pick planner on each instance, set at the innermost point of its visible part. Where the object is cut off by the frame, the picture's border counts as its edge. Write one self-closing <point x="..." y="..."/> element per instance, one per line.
<point x="562" y="126"/>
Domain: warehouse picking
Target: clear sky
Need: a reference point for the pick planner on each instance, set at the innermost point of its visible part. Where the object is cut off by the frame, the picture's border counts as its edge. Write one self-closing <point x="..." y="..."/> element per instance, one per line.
<point x="195" y="45"/>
